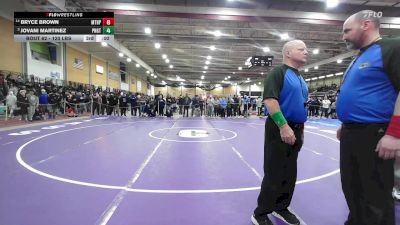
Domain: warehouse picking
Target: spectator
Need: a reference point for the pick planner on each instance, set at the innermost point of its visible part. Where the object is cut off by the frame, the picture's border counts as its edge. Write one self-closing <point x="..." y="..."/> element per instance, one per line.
<point x="325" y="106"/>
<point x="43" y="102"/>
<point x="33" y="104"/>
<point x="11" y="102"/>
<point x="23" y="104"/>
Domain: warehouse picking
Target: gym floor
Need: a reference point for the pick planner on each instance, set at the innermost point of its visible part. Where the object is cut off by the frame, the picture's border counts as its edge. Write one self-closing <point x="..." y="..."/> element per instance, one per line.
<point x="147" y="171"/>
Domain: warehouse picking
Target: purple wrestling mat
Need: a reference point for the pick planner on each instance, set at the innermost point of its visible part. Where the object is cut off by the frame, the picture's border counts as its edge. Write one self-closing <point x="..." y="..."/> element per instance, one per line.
<point x="139" y="171"/>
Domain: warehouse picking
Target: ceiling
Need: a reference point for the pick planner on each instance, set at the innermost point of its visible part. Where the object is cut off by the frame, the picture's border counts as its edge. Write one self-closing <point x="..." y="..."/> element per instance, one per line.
<point x="185" y="29"/>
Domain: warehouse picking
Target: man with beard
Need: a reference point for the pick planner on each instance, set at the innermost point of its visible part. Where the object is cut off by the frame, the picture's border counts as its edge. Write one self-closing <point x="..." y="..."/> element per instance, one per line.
<point x="370" y="115"/>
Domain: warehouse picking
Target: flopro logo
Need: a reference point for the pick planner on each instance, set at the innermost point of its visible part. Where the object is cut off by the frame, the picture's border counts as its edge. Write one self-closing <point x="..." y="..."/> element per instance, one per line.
<point x="372" y="14"/>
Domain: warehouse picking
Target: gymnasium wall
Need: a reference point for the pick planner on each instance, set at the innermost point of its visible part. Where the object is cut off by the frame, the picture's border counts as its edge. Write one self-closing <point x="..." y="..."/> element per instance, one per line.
<point x="133" y="83"/>
<point x="114" y="83"/>
<point x="10" y="51"/>
<point x="327" y="81"/>
<point x="99" y="79"/>
<point x="77" y="66"/>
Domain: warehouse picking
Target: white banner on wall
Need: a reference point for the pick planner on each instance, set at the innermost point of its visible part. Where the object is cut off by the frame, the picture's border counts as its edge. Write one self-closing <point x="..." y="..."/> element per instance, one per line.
<point x="124" y="86"/>
<point x="139" y="86"/>
<point x="55" y="75"/>
<point x="113" y="76"/>
<point x="151" y="90"/>
<point x="99" y="69"/>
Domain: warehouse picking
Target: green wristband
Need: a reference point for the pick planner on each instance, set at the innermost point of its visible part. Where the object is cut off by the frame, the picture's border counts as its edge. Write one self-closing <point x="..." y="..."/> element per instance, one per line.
<point x="279" y="119"/>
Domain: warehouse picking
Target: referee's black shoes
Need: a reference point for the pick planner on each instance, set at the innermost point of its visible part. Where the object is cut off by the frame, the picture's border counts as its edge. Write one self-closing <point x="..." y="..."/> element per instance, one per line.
<point x="286" y="216"/>
<point x="261" y="221"/>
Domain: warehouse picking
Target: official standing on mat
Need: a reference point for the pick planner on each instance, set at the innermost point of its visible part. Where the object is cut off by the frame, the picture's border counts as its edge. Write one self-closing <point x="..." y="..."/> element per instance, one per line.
<point x="285" y="95"/>
<point x="370" y="131"/>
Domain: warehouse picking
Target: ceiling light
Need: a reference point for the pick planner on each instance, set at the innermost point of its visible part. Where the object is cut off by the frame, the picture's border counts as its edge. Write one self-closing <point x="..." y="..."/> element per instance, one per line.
<point x="147" y="72"/>
<point x="248" y="78"/>
<point x="308" y="79"/>
<point x="239" y="68"/>
<point x="284" y="36"/>
<point x="204" y="72"/>
<point x="171" y="66"/>
<point x="212" y="47"/>
<point x="166" y="60"/>
<point x="316" y="67"/>
<point x="137" y="65"/>
<point x="209" y="57"/>
<point x="330" y="75"/>
<point x="332" y="3"/>
<point x="152" y="74"/>
<point x="225" y="78"/>
<point x="259" y="83"/>
<point x="121" y="54"/>
<point x="147" y="30"/>
<point x="320" y="77"/>
<point x="262" y="73"/>
<point x="206" y="67"/>
<point x="155" y="76"/>
<point x="314" y="78"/>
<point x="266" y="49"/>
<point x="315" y="51"/>
<point x="157" y="45"/>
<point x="129" y="59"/>
<point x="233" y="72"/>
<point x="339" y="61"/>
<point x="104" y="44"/>
<point x="337" y="74"/>
<point x="229" y="77"/>
<point x="306" y="70"/>
<point x="217" y="33"/>
<point x="207" y="62"/>
<point x="164" y="56"/>
<point x="181" y="83"/>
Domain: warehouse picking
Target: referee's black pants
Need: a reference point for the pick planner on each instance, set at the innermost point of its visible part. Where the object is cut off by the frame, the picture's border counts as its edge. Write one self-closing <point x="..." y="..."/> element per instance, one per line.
<point x="280" y="169"/>
<point x="367" y="180"/>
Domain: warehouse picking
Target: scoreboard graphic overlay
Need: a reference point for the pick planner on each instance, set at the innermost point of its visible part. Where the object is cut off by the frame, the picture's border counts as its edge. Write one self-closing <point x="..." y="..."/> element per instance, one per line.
<point x="64" y="26"/>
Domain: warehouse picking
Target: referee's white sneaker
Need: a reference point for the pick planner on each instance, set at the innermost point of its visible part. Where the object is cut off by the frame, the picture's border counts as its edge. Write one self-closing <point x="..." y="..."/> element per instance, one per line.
<point x="396" y="194"/>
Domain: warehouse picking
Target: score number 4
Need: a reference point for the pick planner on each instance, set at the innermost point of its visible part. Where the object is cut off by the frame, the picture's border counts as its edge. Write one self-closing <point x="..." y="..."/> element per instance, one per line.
<point x="108" y="25"/>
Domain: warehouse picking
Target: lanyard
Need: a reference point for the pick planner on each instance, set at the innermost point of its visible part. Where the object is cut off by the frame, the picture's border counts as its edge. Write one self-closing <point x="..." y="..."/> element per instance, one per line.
<point x="302" y="90"/>
<point x="354" y="60"/>
<point x="347" y="70"/>
<point x="301" y="85"/>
